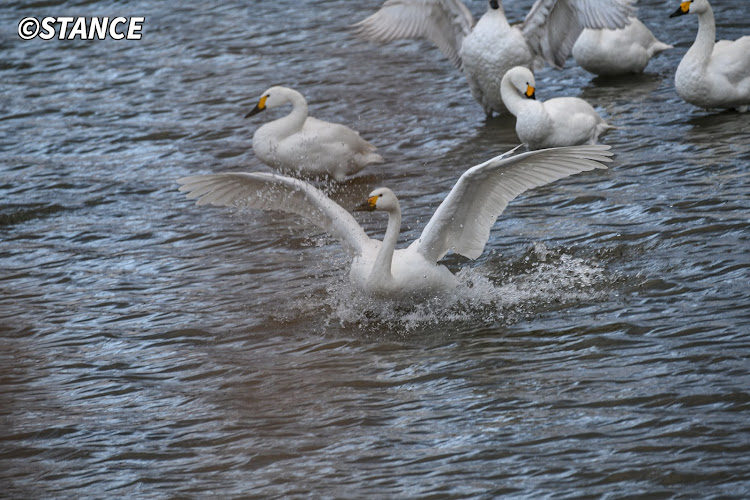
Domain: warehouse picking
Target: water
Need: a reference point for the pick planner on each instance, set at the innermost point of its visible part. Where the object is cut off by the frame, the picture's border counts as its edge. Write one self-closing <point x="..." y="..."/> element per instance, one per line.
<point x="151" y="348"/>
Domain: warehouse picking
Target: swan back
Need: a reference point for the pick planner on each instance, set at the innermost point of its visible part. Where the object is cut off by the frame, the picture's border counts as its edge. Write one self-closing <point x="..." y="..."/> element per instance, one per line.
<point x="303" y="144"/>
<point x="552" y="26"/>
<point x="713" y="74"/>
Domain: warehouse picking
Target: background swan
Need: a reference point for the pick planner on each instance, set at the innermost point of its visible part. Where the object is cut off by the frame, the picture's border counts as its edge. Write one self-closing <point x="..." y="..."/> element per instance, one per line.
<point x="563" y="121"/>
<point x="486" y="51"/>
<point x="461" y="223"/>
<point x="303" y="145"/>
<point x="713" y="74"/>
<point x="620" y="51"/>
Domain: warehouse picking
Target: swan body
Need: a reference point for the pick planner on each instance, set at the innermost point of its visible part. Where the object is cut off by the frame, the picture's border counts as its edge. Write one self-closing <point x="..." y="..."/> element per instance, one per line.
<point x="713" y="74"/>
<point x="485" y="50"/>
<point x="303" y="145"/>
<point x="460" y="224"/>
<point x="609" y="52"/>
<point x="563" y="121"/>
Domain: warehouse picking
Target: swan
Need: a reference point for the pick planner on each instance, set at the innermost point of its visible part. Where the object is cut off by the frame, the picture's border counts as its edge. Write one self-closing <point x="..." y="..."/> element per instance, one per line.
<point x="303" y="145"/>
<point x="610" y="52"/>
<point x="460" y="224"/>
<point x="485" y="51"/>
<point x="713" y="74"/>
<point x="563" y="121"/>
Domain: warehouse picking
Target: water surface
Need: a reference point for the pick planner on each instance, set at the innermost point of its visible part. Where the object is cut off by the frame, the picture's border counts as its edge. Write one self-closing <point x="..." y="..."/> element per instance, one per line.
<point x="151" y="348"/>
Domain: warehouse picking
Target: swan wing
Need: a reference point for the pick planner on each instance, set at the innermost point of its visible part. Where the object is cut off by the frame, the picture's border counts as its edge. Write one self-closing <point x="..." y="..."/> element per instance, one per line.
<point x="443" y="22"/>
<point x="729" y="59"/>
<point x="463" y="220"/>
<point x="552" y="27"/>
<point x="266" y="191"/>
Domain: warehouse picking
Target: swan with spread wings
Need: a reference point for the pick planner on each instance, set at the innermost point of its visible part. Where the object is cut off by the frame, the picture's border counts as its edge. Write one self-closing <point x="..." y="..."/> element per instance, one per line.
<point x="461" y="223"/>
<point x="486" y="50"/>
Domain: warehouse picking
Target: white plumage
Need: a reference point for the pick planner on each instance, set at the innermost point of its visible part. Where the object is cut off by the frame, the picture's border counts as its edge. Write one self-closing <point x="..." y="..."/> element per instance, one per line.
<point x="461" y="223"/>
<point x="302" y="145"/>
<point x="610" y="52"/>
<point x="713" y="74"/>
<point x="563" y="121"/>
<point x="486" y="51"/>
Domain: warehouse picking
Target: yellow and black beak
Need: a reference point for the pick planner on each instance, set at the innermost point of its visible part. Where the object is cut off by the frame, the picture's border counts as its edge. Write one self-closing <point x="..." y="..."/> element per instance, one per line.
<point x="261" y="106"/>
<point x="530" y="92"/>
<point x="683" y="9"/>
<point x="367" y="206"/>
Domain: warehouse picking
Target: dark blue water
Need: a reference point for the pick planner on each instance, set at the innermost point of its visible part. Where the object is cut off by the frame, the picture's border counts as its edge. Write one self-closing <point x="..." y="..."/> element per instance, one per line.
<point x="151" y="348"/>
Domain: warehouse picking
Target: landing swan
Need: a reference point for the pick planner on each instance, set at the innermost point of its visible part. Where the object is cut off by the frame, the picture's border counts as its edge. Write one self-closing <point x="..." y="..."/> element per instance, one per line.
<point x="303" y="145"/>
<point x="486" y="51"/>
<point x="563" y="121"/>
<point x="460" y="224"/>
<point x="713" y="74"/>
<point x="621" y="51"/>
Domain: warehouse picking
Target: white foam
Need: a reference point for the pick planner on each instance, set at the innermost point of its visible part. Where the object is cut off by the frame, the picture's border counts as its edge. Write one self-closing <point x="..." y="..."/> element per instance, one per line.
<point x="539" y="279"/>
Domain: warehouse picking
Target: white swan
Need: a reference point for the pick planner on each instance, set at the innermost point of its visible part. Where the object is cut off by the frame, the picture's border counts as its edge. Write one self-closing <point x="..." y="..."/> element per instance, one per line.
<point x="303" y="145"/>
<point x="610" y="52"/>
<point x="461" y="223"/>
<point x="486" y="51"/>
<point x="563" y="121"/>
<point x="713" y="74"/>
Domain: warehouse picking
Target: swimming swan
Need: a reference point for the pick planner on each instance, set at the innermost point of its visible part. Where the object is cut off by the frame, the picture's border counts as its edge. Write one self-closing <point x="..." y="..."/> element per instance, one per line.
<point x="563" y="121"/>
<point x="621" y="51"/>
<point x="713" y="74"/>
<point x="486" y="51"/>
<point x="460" y="224"/>
<point x="303" y="145"/>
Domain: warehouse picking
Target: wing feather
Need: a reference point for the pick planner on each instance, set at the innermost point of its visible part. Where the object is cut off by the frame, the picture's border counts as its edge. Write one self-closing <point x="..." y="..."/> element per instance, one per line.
<point x="443" y="22"/>
<point x="463" y="220"/>
<point x="266" y="191"/>
<point x="552" y="26"/>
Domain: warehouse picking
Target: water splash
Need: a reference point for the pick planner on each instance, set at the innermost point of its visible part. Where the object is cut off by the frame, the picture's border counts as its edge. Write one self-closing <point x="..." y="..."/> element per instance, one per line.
<point x="487" y="294"/>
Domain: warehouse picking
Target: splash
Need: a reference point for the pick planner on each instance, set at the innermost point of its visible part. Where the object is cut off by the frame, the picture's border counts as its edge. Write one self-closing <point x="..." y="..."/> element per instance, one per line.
<point x="488" y="294"/>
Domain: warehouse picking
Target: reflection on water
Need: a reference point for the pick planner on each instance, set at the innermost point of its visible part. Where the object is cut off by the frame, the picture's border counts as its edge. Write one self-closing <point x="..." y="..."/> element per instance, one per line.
<point x="153" y="348"/>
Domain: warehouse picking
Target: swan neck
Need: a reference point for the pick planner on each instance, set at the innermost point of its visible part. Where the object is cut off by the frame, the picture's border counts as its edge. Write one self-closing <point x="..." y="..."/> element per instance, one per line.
<point x="512" y="100"/>
<point x="295" y="120"/>
<point x="382" y="267"/>
<point x="299" y="107"/>
<point x="498" y="15"/>
<point x="703" y="46"/>
<point x="497" y="6"/>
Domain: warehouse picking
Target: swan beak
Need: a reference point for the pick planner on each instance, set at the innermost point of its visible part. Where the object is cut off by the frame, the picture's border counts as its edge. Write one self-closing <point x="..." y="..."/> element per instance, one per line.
<point x="261" y="106"/>
<point x="530" y="92"/>
<point x="367" y="206"/>
<point x="684" y="8"/>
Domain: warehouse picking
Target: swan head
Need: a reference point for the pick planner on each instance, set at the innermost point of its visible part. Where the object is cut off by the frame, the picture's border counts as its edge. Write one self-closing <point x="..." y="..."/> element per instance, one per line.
<point x="271" y="98"/>
<point x="523" y="80"/>
<point x="381" y="199"/>
<point x="690" y="7"/>
<point x="494" y="4"/>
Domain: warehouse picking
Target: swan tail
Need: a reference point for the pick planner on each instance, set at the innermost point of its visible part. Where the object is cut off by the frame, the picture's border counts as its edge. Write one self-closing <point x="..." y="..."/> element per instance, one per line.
<point x="368" y="158"/>
<point x="658" y="47"/>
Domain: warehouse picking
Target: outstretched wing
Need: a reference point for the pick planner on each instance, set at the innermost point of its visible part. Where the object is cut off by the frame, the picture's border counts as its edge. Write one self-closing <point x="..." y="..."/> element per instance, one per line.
<point x="552" y="27"/>
<point x="463" y="221"/>
<point x="443" y="22"/>
<point x="266" y="191"/>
